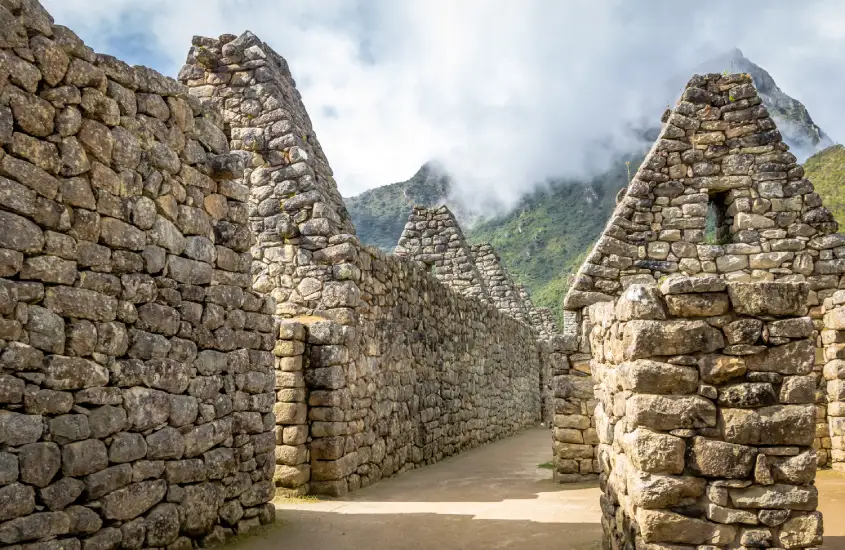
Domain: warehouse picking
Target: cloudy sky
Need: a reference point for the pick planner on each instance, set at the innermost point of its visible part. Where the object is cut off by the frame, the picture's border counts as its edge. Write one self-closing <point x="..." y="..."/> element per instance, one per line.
<point x="506" y="93"/>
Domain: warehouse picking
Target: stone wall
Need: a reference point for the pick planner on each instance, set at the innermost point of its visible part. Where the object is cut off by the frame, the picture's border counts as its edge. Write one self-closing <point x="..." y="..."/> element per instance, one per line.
<point x="833" y="340"/>
<point x="502" y="290"/>
<point x="718" y="195"/>
<point x="383" y="363"/>
<point x="135" y="367"/>
<point x="304" y="242"/>
<point x="706" y="415"/>
<point x="432" y="236"/>
<point x="426" y="373"/>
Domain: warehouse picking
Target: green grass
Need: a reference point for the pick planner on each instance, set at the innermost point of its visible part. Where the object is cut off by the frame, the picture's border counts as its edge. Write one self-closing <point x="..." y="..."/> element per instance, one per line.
<point x="546" y="466"/>
<point x="826" y="169"/>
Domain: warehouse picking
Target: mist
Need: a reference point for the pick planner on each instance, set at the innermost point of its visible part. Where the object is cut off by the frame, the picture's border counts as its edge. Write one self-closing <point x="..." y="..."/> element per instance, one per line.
<point x="504" y="95"/>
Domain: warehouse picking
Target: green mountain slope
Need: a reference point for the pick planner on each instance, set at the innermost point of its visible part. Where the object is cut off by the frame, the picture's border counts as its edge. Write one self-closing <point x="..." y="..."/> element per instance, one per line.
<point x="380" y="214"/>
<point x="548" y="233"/>
<point x="826" y="169"/>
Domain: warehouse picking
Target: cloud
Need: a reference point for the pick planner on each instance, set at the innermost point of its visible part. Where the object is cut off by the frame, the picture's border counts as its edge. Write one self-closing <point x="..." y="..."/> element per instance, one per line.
<point x="505" y="93"/>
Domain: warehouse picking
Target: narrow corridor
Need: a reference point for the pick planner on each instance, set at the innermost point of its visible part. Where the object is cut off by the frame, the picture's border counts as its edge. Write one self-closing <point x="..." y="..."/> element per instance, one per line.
<point x="494" y="497"/>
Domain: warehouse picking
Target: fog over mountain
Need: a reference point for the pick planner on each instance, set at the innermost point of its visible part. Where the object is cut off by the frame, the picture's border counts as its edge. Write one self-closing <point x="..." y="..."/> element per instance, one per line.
<point x="504" y="94"/>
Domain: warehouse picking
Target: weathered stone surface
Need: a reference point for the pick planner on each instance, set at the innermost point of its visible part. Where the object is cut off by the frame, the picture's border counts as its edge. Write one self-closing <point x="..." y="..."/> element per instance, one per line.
<point x="640" y="302"/>
<point x="793" y="358"/>
<point x="778" y="497"/>
<point x="664" y="526"/>
<point x="698" y="305"/>
<point x="132" y="501"/>
<point x="712" y="458"/>
<point x="16" y="500"/>
<point x="647" y="338"/>
<point x="653" y="492"/>
<point x="670" y="412"/>
<point x="84" y="457"/>
<point x="769" y="298"/>
<point x="655" y="452"/>
<point x="39" y="463"/>
<point x="775" y="425"/>
<point x="645" y="376"/>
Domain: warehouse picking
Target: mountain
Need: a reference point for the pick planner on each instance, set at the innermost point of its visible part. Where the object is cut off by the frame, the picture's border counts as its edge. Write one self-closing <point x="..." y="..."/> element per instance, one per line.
<point x="548" y="233"/>
<point x="826" y="169"/>
<point x="380" y="213"/>
<point x="799" y="131"/>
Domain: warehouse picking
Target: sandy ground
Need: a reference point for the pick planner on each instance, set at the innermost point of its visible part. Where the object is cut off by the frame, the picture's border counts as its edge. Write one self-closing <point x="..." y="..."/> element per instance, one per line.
<point x="492" y="497"/>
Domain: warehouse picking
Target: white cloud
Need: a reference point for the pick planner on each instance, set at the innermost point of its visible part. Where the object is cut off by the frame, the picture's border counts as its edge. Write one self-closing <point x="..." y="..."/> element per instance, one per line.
<point x="506" y="93"/>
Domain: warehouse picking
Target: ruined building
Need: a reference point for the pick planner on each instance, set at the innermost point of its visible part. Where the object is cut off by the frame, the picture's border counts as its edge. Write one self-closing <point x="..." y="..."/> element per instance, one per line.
<point x="709" y="315"/>
<point x="188" y="323"/>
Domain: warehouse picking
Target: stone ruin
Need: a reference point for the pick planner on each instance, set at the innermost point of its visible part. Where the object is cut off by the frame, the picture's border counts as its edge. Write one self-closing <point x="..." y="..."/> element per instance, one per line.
<point x="188" y="323"/>
<point x="709" y="316"/>
<point x="706" y="416"/>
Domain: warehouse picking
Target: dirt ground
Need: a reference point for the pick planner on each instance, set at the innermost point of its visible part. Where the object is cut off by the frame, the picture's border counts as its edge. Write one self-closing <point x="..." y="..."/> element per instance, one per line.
<point x="493" y="497"/>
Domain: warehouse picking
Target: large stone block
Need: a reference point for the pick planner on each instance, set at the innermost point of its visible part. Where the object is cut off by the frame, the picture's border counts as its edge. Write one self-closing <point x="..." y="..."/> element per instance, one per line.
<point x="661" y="526"/>
<point x="775" y="425"/>
<point x="645" y="376"/>
<point x="778" y="497"/>
<point x="670" y="412"/>
<point x="641" y="339"/>
<point x="793" y="358"/>
<point x="655" y="452"/>
<point x="717" y="459"/>
<point x="769" y="298"/>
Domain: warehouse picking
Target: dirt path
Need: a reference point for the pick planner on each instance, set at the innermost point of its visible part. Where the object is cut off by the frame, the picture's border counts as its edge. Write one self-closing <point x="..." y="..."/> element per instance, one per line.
<point x="493" y="497"/>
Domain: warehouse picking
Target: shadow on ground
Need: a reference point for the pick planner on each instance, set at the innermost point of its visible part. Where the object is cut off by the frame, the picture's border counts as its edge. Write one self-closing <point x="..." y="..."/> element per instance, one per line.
<point x="318" y="530"/>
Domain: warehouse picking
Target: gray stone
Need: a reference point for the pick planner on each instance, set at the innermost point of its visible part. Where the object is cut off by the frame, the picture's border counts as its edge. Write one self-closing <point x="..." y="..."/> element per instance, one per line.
<point x="34" y="526"/>
<point x="19" y="429"/>
<point x="162" y="525"/>
<point x="147" y="408"/>
<point x="69" y="427"/>
<point x="127" y="447"/>
<point x="106" y="481"/>
<point x="16" y="500"/>
<point x="775" y="425"/>
<point x="779" y="497"/>
<point x="669" y="412"/>
<point x="645" y="376"/>
<point x="83" y="520"/>
<point x="132" y="501"/>
<point x="73" y="373"/>
<point x="84" y="457"/>
<point x="769" y="298"/>
<point x="62" y="493"/>
<point x="711" y="458"/>
<point x="166" y="443"/>
<point x="647" y="338"/>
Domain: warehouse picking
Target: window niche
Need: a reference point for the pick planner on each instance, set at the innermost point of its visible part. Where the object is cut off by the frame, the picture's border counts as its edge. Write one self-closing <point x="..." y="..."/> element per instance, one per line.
<point x="717" y="228"/>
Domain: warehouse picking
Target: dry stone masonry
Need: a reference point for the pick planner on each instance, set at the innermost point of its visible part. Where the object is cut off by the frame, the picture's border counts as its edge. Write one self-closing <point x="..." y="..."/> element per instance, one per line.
<point x="383" y="363"/>
<point x="433" y="237"/>
<point x="136" y="373"/>
<point x="503" y="291"/>
<point x="720" y="195"/>
<point x="706" y="415"/>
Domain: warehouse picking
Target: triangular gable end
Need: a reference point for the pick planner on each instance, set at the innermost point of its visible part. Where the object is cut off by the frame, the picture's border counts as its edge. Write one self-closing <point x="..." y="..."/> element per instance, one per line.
<point x="434" y="237"/>
<point x="503" y="291"/>
<point x="718" y="194"/>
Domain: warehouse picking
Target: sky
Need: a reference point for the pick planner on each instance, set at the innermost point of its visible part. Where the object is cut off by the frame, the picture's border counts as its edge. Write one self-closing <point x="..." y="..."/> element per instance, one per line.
<point x="505" y="94"/>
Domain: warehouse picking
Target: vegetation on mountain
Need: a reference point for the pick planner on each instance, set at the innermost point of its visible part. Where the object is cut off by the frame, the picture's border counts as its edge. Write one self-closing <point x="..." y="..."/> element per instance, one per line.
<point x="549" y="232"/>
<point x="826" y="169"/>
